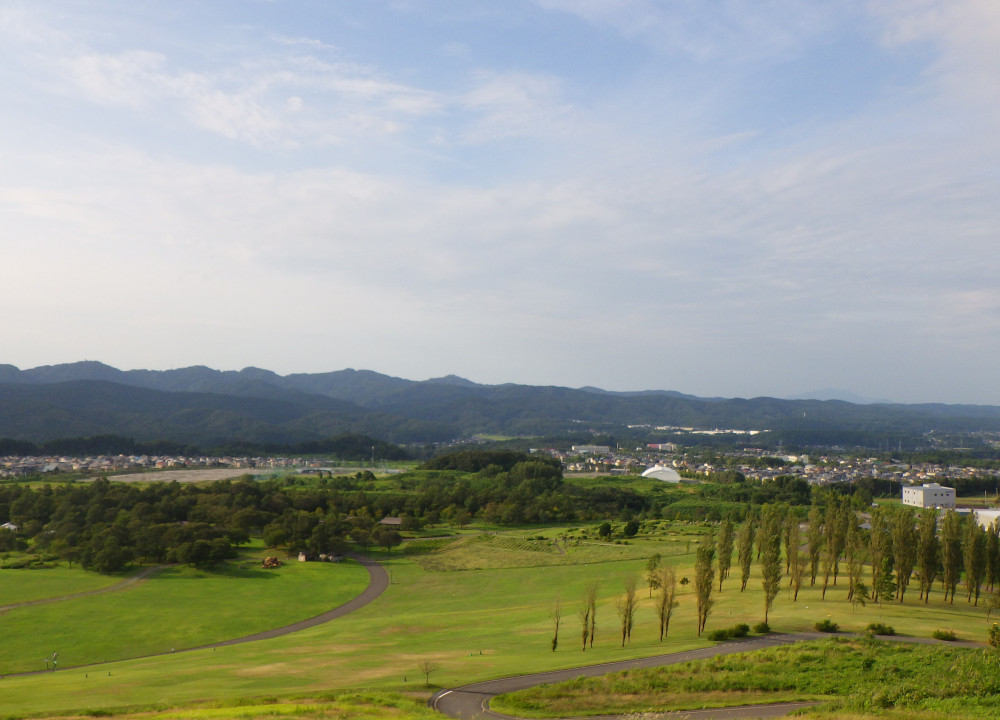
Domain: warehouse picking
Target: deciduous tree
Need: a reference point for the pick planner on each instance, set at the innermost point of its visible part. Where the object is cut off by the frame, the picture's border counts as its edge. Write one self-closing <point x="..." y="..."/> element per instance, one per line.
<point x="704" y="575"/>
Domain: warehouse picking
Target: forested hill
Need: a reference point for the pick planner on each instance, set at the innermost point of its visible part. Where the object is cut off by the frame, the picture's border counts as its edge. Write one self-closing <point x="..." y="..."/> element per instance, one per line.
<point x="206" y="407"/>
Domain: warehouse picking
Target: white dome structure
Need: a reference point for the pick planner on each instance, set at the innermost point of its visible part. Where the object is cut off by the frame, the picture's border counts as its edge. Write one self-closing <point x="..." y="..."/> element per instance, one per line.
<point x="663" y="473"/>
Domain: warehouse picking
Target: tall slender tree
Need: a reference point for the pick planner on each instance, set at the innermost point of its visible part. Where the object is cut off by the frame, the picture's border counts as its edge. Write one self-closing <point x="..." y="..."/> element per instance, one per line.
<point x="652" y="576"/>
<point x="626" y="610"/>
<point x="928" y="551"/>
<point x="588" y="613"/>
<point x="880" y="550"/>
<point x="772" y="521"/>
<point x="855" y="553"/>
<point x="667" y="598"/>
<point x="725" y="549"/>
<point x="905" y="547"/>
<point x="704" y="575"/>
<point x="814" y="538"/>
<point x="744" y="542"/>
<point x="993" y="555"/>
<point x="556" y="621"/>
<point x="951" y="553"/>
<point x="974" y="557"/>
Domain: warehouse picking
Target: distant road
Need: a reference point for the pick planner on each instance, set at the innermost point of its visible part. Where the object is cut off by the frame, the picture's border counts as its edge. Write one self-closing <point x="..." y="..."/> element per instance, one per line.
<point x="208" y="474"/>
<point x="184" y="476"/>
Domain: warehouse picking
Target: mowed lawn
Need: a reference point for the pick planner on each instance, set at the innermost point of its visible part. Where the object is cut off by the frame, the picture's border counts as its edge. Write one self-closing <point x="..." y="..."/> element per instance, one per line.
<point x="473" y="624"/>
<point x="178" y="607"/>
<point x="22" y="585"/>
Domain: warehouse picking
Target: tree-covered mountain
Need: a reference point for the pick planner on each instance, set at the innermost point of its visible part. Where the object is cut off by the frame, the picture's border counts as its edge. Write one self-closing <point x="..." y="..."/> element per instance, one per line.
<point x="204" y="406"/>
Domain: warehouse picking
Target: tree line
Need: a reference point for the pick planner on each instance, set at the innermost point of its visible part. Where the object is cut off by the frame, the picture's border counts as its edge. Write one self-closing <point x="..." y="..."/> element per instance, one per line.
<point x="872" y="557"/>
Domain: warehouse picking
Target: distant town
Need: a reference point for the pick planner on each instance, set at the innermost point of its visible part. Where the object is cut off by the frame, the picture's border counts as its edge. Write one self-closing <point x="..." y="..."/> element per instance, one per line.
<point x="754" y="464"/>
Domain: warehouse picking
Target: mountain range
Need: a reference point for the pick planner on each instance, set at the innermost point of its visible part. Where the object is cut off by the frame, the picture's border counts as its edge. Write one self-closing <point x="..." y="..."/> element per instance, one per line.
<point x="207" y="407"/>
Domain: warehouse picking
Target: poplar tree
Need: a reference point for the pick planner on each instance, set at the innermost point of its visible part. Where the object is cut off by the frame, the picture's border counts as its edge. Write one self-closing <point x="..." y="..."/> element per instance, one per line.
<point x="855" y="552"/>
<point x="814" y="538"/>
<point x="951" y="553"/>
<point x="667" y="599"/>
<point x="880" y="550"/>
<point x="744" y="542"/>
<point x="905" y="548"/>
<point x="928" y="550"/>
<point x="790" y="525"/>
<point x="993" y="555"/>
<point x="770" y="545"/>
<point x="652" y="576"/>
<point x="725" y="549"/>
<point x="974" y="556"/>
<point x="626" y="610"/>
<point x="588" y="615"/>
<point x="704" y="575"/>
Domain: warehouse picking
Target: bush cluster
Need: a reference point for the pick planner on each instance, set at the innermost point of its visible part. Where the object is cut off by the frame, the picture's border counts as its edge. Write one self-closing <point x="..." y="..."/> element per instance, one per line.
<point x="827" y="626"/>
<point x="740" y="630"/>
<point x="948" y="635"/>
<point x="877" y="628"/>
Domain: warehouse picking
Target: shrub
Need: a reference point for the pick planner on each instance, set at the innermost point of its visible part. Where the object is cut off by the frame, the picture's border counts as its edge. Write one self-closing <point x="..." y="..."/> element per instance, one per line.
<point x="762" y="627"/>
<point x="736" y="631"/>
<point x="993" y="636"/>
<point x="881" y="629"/>
<point x="827" y="626"/>
<point x="948" y="635"/>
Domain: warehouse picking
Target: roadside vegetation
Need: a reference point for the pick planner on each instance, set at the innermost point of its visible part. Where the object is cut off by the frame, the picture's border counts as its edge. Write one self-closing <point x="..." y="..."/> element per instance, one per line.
<point x="850" y="678"/>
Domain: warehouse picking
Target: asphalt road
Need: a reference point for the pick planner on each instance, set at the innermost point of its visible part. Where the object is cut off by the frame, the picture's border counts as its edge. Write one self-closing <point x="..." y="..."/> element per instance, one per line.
<point x="470" y="701"/>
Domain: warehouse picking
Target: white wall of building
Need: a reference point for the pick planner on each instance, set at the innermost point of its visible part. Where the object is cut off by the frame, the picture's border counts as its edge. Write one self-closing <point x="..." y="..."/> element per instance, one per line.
<point x="929" y="495"/>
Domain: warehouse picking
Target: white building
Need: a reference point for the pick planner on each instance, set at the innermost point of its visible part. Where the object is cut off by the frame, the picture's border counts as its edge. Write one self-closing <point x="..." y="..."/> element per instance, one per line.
<point x="665" y="474"/>
<point x="929" y="495"/>
<point x="592" y="449"/>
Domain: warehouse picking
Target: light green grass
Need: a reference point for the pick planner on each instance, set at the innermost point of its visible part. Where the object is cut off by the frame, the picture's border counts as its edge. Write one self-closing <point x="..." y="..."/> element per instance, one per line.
<point x="494" y="551"/>
<point x="338" y="706"/>
<point x="178" y="607"/>
<point x="17" y="586"/>
<point x="476" y="623"/>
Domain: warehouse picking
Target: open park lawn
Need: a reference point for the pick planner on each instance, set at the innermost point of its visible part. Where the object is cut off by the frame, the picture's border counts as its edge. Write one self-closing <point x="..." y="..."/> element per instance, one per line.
<point x="469" y="620"/>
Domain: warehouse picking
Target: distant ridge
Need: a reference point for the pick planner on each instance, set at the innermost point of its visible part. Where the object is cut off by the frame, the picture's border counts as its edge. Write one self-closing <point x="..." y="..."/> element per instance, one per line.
<point x="840" y="394"/>
<point x="201" y="405"/>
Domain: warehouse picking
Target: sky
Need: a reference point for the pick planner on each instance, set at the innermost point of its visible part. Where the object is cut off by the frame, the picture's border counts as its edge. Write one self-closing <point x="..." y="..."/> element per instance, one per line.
<point x="735" y="198"/>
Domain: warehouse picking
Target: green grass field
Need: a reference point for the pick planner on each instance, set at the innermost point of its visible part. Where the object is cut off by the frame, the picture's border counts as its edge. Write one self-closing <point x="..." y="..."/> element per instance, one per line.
<point x="475" y="622"/>
<point x="178" y="607"/>
<point x="18" y="586"/>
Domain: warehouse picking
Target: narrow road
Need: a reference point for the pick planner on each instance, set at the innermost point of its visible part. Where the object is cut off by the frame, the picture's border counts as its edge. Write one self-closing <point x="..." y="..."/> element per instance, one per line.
<point x="378" y="582"/>
<point x="471" y="702"/>
<point x="132" y="580"/>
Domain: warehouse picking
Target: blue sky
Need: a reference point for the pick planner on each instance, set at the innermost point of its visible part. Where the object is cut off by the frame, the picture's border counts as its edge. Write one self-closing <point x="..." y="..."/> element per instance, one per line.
<point x="734" y="198"/>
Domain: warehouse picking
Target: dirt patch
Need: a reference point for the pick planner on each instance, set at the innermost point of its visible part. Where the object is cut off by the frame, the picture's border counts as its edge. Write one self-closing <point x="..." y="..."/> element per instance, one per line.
<point x="186" y="476"/>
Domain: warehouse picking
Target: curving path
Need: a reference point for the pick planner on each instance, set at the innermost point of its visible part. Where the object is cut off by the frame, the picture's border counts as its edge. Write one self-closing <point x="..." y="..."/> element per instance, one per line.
<point x="378" y="582"/>
<point x="472" y="701"/>
<point x="132" y="580"/>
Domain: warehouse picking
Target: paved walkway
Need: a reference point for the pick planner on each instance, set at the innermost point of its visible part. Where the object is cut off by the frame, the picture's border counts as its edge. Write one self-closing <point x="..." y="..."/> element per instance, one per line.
<point x="471" y="702"/>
